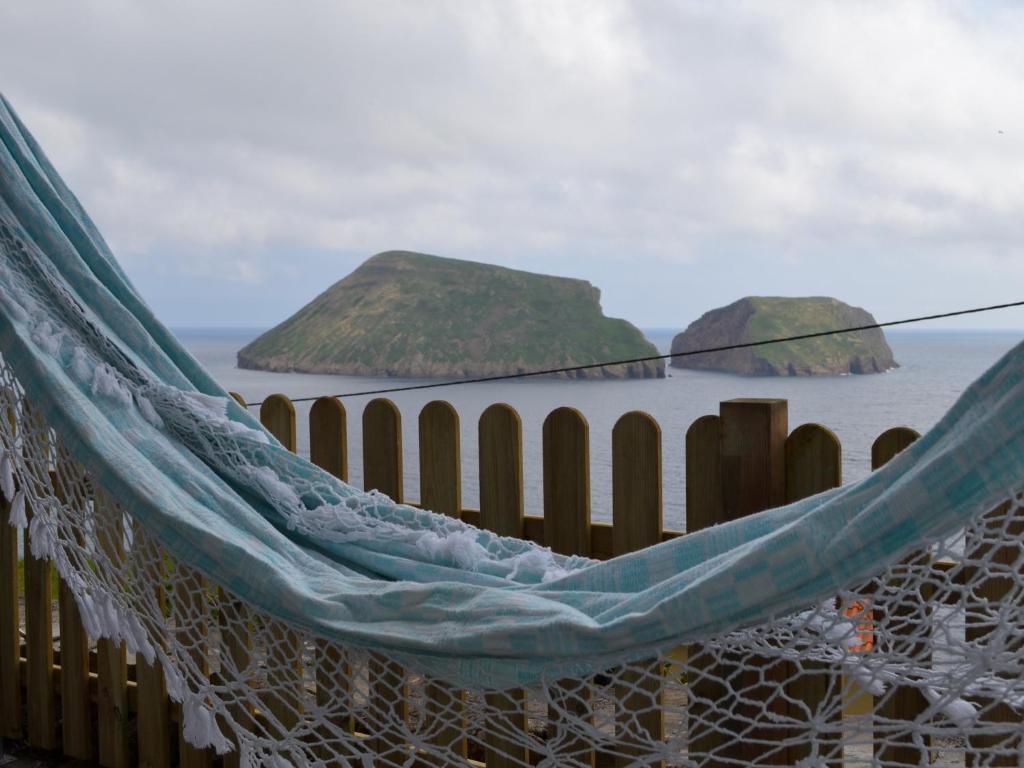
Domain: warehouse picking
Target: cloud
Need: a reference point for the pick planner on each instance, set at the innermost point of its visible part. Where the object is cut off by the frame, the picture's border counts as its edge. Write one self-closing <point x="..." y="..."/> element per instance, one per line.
<point x="582" y="138"/>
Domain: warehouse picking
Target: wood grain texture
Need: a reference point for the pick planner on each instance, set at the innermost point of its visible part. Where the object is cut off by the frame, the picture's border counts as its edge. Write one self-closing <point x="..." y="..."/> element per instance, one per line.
<point x="42" y="703"/>
<point x="814" y="463"/>
<point x="10" y="619"/>
<point x="987" y="593"/>
<point x="500" y="456"/>
<point x="703" y="474"/>
<point x="501" y="470"/>
<point x="382" y="448"/>
<point x="191" y="612"/>
<point x="328" y="436"/>
<point x="236" y="648"/>
<point x="111" y="658"/>
<point x="382" y="470"/>
<point x="283" y="697"/>
<point x="441" y="491"/>
<point x="566" y="459"/>
<point x="703" y="509"/>
<point x="277" y="414"/>
<point x="154" y="706"/>
<point x="636" y="524"/>
<point x="901" y="703"/>
<point x="566" y="463"/>
<point x="752" y="460"/>
<point x="76" y="704"/>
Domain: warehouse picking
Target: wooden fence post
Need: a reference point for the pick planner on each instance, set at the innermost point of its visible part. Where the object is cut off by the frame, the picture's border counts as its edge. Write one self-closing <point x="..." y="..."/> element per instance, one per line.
<point x="1004" y="525"/>
<point x="637" y="523"/>
<point x="10" y="621"/>
<point x="285" y="695"/>
<point x="328" y="449"/>
<point x="328" y="436"/>
<point x="814" y="463"/>
<point x="501" y="511"/>
<point x="111" y="658"/>
<point x="566" y="449"/>
<point x="382" y="471"/>
<point x="703" y="509"/>
<point x="901" y="704"/>
<point x="76" y="703"/>
<point x="42" y="704"/>
<point x="154" y="705"/>
<point x="752" y="434"/>
<point x="441" y="491"/>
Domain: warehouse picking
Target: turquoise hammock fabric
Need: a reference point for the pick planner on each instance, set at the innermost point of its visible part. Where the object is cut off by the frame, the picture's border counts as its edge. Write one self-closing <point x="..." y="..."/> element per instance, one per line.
<point x="201" y="475"/>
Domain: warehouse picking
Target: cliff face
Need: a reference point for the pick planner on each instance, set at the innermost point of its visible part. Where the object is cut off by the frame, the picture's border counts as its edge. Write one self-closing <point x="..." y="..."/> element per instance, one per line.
<point x="756" y="318"/>
<point x="413" y="315"/>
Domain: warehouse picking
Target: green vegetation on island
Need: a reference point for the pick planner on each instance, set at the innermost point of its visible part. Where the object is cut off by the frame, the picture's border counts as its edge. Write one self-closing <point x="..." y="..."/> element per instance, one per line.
<point x="414" y="315"/>
<point x="756" y="318"/>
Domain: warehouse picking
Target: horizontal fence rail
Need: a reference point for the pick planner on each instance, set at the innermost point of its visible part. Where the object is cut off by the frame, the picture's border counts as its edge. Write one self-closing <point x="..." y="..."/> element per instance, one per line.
<point x="59" y="689"/>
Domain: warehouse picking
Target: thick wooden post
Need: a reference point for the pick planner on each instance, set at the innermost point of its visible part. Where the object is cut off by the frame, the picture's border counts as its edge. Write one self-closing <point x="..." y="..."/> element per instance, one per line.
<point x="566" y="449"/>
<point x="637" y="523"/>
<point x="901" y="703"/>
<point x="382" y="471"/>
<point x="328" y="436"/>
<point x="441" y="491"/>
<point x="752" y="434"/>
<point x="501" y="511"/>
<point x="814" y="463"/>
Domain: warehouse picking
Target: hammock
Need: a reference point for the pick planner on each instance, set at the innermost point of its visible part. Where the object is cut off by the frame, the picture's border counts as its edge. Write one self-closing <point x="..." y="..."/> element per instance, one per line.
<point x="141" y="479"/>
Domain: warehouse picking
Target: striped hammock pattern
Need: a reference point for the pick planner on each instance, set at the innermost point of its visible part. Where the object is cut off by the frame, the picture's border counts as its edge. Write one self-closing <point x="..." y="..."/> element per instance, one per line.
<point x="302" y="621"/>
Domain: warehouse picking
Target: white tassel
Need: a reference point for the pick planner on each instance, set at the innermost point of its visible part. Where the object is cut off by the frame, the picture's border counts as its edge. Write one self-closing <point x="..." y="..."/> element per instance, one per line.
<point x="201" y="729"/>
<point x="960" y="712"/>
<point x="18" y="518"/>
<point x="7" y="476"/>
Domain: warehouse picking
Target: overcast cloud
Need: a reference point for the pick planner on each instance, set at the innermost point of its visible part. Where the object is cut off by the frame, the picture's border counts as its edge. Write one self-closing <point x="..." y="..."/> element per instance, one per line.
<point x="242" y="156"/>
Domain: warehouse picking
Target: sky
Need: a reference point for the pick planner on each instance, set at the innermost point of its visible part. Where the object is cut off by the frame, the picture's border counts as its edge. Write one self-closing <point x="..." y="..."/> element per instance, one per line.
<point x="242" y="156"/>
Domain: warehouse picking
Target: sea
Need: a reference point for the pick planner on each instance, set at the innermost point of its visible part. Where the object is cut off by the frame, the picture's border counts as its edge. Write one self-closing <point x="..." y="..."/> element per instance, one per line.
<point x="934" y="368"/>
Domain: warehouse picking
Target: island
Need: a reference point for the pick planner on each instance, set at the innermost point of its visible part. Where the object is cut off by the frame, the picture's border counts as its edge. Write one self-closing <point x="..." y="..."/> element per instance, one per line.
<point x="407" y="314"/>
<point x="756" y="318"/>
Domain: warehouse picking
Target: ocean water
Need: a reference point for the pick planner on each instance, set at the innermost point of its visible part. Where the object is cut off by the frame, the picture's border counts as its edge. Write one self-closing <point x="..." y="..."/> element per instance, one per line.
<point x="935" y="367"/>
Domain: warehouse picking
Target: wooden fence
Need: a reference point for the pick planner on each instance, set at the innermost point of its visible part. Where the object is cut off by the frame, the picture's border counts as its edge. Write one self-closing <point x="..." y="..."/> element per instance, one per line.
<point x="89" y="701"/>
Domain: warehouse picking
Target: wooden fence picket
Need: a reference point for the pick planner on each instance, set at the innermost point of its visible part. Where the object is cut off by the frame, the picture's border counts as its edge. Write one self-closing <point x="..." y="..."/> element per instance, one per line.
<point x="42" y="704"/>
<point x="441" y="491"/>
<point x="328" y="449"/>
<point x="814" y="463"/>
<point x="637" y="523"/>
<point x="566" y="460"/>
<point x="76" y="701"/>
<point x="111" y="657"/>
<point x="153" y="703"/>
<point x="500" y="456"/>
<point x="328" y="436"/>
<point x="902" y="703"/>
<point x="703" y="509"/>
<point x="382" y="471"/>
<point x="10" y="619"/>
<point x="284" y="695"/>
